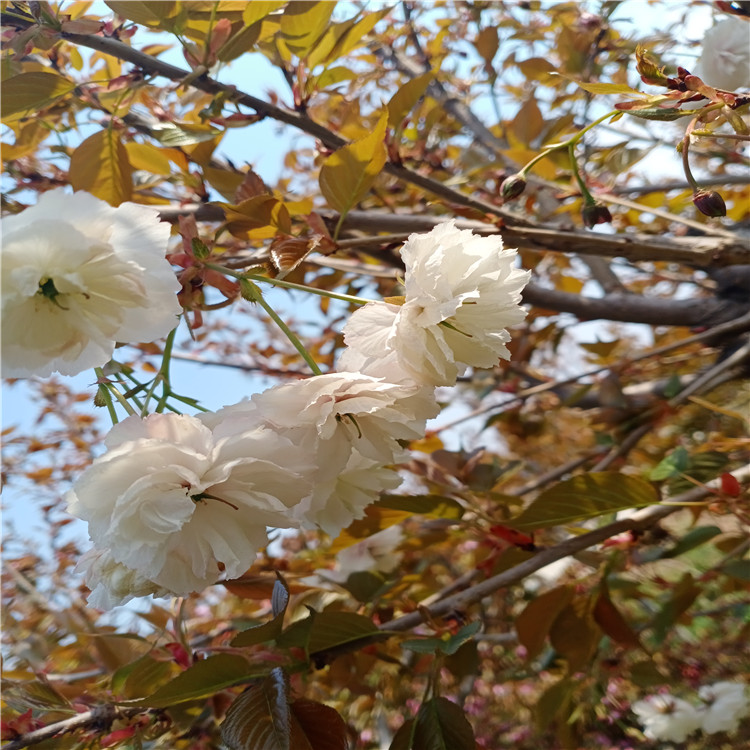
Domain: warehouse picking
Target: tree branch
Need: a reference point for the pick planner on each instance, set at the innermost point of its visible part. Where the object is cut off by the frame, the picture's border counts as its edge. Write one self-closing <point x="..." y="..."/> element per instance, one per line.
<point x="640" y="521"/>
<point x="98" y="717"/>
<point x="631" y="308"/>
<point x="297" y="120"/>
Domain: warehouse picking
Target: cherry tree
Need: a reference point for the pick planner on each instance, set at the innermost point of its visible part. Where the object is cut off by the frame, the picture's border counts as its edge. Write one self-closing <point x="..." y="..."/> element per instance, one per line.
<point x="485" y="484"/>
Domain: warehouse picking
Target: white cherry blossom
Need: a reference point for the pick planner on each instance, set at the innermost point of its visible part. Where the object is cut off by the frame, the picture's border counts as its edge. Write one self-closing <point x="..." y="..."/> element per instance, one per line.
<point x="182" y="505"/>
<point x="78" y="276"/>
<point x="665" y="717"/>
<point x="462" y="291"/>
<point x="726" y="705"/>
<point x="111" y="582"/>
<point x="725" y="59"/>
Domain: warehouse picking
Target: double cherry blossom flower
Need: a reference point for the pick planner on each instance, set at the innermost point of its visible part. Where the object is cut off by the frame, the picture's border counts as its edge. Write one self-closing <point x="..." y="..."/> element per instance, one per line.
<point x="177" y="503"/>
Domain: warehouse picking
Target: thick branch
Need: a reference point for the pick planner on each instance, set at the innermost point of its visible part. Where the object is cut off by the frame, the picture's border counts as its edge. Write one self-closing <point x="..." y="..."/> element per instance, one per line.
<point x="638" y="522"/>
<point x="700" y="252"/>
<point x="631" y="308"/>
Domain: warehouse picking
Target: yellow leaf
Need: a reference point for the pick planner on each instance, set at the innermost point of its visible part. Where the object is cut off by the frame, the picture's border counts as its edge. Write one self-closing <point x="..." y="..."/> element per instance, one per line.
<point x="342" y="38"/>
<point x="570" y="285"/>
<point x="258" y="9"/>
<point x="101" y="166"/>
<point x="348" y="174"/>
<point x="406" y="97"/>
<point x="487" y="44"/>
<point x="146" y="14"/>
<point x="29" y="136"/>
<point x="303" y="23"/>
<point x="528" y="122"/>
<point x="223" y="181"/>
<point x="30" y="92"/>
<point x="148" y="157"/>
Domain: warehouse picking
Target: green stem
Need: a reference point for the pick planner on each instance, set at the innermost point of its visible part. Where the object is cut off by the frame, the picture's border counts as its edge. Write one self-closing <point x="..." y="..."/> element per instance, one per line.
<point x="587" y="197"/>
<point x="296" y="343"/>
<point x="572" y="141"/>
<point x="288" y="285"/>
<point x="163" y="374"/>
<point x="686" y="152"/>
<point x="114" y="391"/>
<point x="107" y="396"/>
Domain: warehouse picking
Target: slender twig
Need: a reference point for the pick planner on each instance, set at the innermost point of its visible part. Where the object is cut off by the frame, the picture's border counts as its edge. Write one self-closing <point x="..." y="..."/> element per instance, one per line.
<point x="715" y="229"/>
<point x="640" y="521"/>
<point x="671" y="185"/>
<point x="737" y="326"/>
<point x="100" y="716"/>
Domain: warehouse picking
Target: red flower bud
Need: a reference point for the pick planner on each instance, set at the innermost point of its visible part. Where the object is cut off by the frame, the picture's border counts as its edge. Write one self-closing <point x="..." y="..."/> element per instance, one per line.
<point x="511" y="187"/>
<point x="595" y="213"/>
<point x="710" y="203"/>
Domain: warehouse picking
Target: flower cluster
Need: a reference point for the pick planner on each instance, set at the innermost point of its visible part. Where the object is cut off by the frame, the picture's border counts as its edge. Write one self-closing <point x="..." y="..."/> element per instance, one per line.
<point x="666" y="718"/>
<point x="178" y="502"/>
<point x="78" y="276"/>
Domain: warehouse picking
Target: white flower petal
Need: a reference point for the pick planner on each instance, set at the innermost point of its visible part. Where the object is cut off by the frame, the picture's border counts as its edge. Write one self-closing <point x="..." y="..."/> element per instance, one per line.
<point x="78" y="276"/>
<point x="175" y="503"/>
<point x="462" y="292"/>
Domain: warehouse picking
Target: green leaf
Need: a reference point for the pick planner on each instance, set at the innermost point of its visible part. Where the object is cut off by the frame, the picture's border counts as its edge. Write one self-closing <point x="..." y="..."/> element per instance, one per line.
<point x="348" y="174"/>
<point x="680" y="599"/>
<point x="101" y="166"/>
<point x="739" y="569"/>
<point x="693" y="538"/>
<point x="402" y="102"/>
<point x="574" y="634"/>
<point x="268" y="631"/>
<point x="404" y="737"/>
<point x="585" y="496"/>
<point x="464" y="635"/>
<point x="331" y="629"/>
<point x="201" y="680"/>
<point x="141" y="677"/>
<point x="675" y="463"/>
<point x="659" y="113"/>
<point x="434" y="506"/>
<point x="422" y="645"/>
<point x="442" y="725"/>
<point x="259" y="719"/>
<point x="31" y="92"/>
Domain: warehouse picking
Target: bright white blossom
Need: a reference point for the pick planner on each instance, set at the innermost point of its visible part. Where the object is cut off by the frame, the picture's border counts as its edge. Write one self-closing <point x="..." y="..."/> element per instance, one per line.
<point x="727" y="703"/>
<point x="181" y="504"/>
<point x="725" y="60"/>
<point x="337" y="500"/>
<point x="375" y="553"/>
<point x="79" y="275"/>
<point x="346" y="411"/>
<point x="665" y="717"/>
<point x="349" y="426"/>
<point x="111" y="582"/>
<point x="461" y="293"/>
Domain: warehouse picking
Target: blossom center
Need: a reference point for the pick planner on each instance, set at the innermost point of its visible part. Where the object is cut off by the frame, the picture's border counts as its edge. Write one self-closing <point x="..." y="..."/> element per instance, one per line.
<point x="48" y="289"/>
<point x="203" y="496"/>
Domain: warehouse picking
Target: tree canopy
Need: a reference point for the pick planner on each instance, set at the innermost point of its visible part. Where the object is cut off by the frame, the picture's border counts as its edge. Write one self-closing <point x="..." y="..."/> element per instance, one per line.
<point x="540" y="536"/>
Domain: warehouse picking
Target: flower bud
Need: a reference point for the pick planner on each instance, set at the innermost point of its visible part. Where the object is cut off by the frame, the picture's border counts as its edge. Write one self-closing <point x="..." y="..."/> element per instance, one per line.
<point x="710" y="203"/>
<point x="511" y="187"/>
<point x="595" y="213"/>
